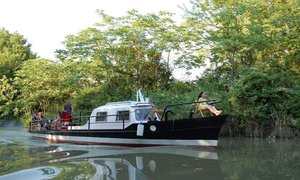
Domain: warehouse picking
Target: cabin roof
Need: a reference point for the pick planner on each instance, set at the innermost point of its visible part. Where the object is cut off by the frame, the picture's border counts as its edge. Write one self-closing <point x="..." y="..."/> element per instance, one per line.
<point x="111" y="105"/>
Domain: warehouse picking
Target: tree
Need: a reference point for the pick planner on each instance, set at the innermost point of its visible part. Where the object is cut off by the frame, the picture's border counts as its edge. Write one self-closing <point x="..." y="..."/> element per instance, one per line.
<point x="43" y="84"/>
<point x="7" y="96"/>
<point x="264" y="98"/>
<point x="252" y="49"/>
<point x="234" y="34"/>
<point x="133" y="51"/>
<point x="14" y="50"/>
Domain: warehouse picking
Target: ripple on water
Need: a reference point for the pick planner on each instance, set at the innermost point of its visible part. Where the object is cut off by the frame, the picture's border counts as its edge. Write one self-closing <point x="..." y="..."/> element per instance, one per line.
<point x="6" y="141"/>
<point x="45" y="172"/>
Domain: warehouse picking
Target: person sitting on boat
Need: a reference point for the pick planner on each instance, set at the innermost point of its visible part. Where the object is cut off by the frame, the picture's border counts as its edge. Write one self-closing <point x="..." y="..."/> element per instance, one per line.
<point x="35" y="121"/>
<point x="41" y="119"/>
<point x="206" y="104"/>
<point x="47" y="124"/>
<point x="155" y="116"/>
<point x="57" y="120"/>
<point x="35" y="116"/>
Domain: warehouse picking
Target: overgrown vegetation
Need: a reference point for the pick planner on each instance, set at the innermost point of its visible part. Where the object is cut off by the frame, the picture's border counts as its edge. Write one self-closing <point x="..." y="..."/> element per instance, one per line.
<point x="250" y="50"/>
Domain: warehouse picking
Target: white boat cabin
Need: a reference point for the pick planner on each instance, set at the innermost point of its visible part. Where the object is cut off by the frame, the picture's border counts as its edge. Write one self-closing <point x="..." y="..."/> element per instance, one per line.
<point x="119" y="115"/>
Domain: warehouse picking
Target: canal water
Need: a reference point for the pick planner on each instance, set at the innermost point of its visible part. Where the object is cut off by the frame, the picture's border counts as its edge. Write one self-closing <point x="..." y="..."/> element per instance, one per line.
<point x="24" y="157"/>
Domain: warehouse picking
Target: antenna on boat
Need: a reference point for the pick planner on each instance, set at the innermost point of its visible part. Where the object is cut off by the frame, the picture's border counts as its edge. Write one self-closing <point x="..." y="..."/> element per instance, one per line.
<point x="140" y="97"/>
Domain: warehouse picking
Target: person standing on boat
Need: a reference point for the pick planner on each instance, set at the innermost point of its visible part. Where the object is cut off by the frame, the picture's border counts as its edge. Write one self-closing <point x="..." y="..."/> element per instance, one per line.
<point x="68" y="107"/>
<point x="206" y="104"/>
<point x="67" y="113"/>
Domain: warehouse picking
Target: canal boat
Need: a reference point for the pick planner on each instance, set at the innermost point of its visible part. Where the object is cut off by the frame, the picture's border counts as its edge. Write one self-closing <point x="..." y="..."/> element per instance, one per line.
<point x="137" y="123"/>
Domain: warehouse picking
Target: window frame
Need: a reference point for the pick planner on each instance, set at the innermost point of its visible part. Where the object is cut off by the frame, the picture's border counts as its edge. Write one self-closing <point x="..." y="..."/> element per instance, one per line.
<point x="121" y="113"/>
<point x="146" y="113"/>
<point x="100" y="115"/>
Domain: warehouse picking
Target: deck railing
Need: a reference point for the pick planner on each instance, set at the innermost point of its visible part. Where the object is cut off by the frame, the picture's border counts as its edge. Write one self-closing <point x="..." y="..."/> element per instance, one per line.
<point x="73" y="121"/>
<point x="179" y="111"/>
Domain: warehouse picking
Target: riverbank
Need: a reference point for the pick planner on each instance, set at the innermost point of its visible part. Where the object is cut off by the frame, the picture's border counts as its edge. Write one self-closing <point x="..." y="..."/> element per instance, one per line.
<point x="232" y="129"/>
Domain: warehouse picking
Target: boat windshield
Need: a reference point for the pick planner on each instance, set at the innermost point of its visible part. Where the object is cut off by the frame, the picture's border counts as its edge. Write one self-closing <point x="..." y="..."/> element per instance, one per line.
<point x="142" y="114"/>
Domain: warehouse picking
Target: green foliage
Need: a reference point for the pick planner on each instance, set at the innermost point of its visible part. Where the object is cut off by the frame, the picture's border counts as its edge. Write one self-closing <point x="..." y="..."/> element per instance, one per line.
<point x="251" y="50"/>
<point x="178" y="92"/>
<point x="43" y="85"/>
<point x="130" y="50"/>
<point x="8" y="94"/>
<point x="238" y="33"/>
<point x="260" y="95"/>
<point x="14" y="50"/>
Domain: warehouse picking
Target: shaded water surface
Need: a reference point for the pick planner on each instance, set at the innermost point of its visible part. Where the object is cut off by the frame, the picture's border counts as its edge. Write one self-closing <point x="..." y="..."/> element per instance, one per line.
<point x="24" y="157"/>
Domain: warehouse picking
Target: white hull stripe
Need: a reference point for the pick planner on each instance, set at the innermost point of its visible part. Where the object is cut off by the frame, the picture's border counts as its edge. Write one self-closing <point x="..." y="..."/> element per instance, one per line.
<point x="119" y="141"/>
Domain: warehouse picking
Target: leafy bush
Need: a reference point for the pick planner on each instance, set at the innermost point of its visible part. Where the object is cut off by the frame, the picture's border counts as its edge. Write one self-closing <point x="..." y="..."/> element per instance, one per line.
<point x="263" y="97"/>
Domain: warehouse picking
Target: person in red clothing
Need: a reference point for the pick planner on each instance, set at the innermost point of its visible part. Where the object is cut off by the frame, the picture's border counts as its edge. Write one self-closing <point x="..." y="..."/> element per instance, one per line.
<point x="66" y="116"/>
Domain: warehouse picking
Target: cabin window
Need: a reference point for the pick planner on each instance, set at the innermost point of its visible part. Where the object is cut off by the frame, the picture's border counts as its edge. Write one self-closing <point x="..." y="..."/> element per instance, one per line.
<point x="122" y="115"/>
<point x="142" y="114"/>
<point x="101" y="116"/>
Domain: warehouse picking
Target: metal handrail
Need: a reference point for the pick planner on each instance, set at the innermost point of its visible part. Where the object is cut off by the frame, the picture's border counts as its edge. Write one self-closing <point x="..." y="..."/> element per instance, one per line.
<point x="166" y="109"/>
<point x="73" y="123"/>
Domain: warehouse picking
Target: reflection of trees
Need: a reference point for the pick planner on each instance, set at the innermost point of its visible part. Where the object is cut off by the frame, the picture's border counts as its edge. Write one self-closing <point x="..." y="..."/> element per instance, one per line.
<point x="15" y="156"/>
<point x="48" y="171"/>
<point x="80" y="169"/>
<point x="259" y="159"/>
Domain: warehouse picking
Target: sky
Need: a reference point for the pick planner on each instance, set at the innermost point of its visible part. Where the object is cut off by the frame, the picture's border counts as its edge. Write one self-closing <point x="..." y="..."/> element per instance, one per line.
<point x="45" y="23"/>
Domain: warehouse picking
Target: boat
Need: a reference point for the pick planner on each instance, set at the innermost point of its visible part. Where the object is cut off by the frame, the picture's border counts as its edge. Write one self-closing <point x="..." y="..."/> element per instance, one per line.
<point x="138" y="124"/>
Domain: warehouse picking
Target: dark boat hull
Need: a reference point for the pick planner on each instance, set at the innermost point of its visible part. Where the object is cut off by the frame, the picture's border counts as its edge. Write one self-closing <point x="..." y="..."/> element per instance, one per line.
<point x="195" y="132"/>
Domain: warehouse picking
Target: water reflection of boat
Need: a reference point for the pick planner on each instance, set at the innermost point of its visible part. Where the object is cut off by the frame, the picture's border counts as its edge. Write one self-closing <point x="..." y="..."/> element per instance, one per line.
<point x="96" y="151"/>
<point x="163" y="162"/>
<point x="154" y="166"/>
<point x="137" y="123"/>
